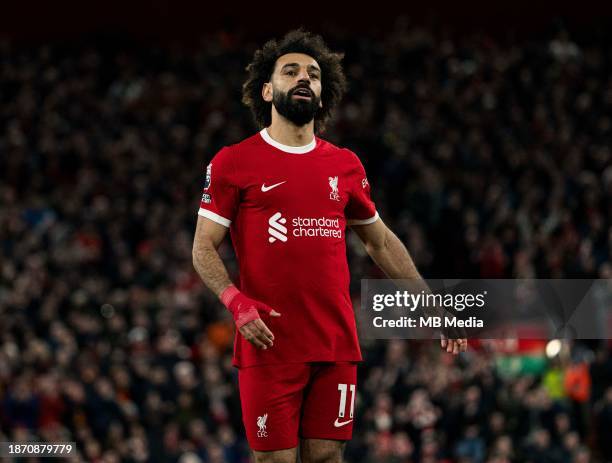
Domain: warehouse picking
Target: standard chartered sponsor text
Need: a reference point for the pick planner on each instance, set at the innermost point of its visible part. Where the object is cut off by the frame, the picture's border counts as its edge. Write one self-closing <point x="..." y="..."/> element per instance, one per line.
<point x="316" y="227"/>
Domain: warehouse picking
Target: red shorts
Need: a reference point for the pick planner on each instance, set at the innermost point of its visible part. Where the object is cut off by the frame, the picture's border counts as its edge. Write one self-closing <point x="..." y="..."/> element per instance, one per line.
<point x="282" y="403"/>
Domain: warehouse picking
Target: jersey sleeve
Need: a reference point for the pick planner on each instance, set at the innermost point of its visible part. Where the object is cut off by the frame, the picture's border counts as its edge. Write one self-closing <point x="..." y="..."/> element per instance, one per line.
<point x="360" y="209"/>
<point x="221" y="194"/>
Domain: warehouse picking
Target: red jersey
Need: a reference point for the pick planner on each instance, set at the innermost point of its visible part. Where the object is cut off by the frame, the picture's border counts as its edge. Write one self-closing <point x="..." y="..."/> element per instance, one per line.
<point x="287" y="209"/>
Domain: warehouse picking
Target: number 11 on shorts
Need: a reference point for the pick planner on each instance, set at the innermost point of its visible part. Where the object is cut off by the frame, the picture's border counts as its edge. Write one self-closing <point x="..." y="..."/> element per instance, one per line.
<point x="343" y="390"/>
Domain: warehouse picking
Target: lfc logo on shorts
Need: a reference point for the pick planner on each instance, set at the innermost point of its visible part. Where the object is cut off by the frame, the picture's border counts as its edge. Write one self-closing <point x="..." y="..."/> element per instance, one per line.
<point x="261" y="422"/>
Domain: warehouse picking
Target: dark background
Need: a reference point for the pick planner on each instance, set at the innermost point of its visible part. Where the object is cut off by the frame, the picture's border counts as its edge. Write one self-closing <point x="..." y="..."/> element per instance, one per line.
<point x="186" y="21"/>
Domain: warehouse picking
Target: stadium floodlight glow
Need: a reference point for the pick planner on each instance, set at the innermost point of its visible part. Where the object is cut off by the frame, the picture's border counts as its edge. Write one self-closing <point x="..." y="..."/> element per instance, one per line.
<point x="553" y="348"/>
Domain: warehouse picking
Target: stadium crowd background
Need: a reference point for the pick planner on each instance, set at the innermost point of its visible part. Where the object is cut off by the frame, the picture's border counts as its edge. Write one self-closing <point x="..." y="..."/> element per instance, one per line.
<point x="488" y="158"/>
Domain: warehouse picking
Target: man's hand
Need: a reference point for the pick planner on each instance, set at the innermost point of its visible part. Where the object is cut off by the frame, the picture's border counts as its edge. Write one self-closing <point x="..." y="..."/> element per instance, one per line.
<point x="246" y="313"/>
<point x="453" y="346"/>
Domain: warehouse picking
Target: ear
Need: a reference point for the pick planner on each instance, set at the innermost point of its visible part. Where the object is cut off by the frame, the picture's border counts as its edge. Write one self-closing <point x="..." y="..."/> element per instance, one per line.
<point x="266" y="92"/>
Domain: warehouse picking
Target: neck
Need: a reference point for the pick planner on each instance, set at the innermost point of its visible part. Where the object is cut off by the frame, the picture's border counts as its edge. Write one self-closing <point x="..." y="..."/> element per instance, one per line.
<point x="287" y="133"/>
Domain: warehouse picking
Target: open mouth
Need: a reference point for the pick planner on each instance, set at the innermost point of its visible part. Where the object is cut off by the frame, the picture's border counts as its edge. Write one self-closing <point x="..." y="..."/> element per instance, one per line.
<point x="302" y="93"/>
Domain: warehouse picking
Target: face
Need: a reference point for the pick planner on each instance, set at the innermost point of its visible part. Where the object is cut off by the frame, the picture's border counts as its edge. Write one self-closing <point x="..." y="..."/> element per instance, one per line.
<point x="295" y="88"/>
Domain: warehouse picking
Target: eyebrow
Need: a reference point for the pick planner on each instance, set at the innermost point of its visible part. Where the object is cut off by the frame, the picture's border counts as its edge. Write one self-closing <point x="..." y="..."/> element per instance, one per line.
<point x="311" y="67"/>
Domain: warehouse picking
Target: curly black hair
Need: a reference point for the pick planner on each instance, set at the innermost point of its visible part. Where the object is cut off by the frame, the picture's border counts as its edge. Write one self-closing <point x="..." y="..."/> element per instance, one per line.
<point x="333" y="80"/>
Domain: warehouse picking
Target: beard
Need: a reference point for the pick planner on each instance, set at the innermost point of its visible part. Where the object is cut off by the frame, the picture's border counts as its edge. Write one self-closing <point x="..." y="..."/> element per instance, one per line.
<point x="298" y="111"/>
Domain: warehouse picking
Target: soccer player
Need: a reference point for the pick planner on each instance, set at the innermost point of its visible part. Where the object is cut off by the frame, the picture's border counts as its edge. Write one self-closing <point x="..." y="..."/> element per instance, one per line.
<point x="287" y="197"/>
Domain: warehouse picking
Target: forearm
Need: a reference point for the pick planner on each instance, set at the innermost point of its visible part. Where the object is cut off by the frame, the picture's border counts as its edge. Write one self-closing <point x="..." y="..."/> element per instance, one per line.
<point x="393" y="258"/>
<point x="210" y="267"/>
<point x="395" y="261"/>
<point x="245" y="311"/>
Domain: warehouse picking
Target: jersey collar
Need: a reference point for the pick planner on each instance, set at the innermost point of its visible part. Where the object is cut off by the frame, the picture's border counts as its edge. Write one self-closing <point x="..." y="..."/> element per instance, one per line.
<point x="286" y="148"/>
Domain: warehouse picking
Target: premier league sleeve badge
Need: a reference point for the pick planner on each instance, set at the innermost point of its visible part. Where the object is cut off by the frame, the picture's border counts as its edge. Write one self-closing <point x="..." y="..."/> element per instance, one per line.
<point x="208" y="176"/>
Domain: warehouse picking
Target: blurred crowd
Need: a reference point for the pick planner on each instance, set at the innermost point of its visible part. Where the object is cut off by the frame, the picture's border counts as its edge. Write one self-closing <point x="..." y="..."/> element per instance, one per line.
<point x="488" y="159"/>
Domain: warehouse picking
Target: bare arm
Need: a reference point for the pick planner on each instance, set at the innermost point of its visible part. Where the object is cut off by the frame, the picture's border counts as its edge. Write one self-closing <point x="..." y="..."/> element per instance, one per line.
<point x="206" y="259"/>
<point x="390" y="254"/>
<point x="387" y="251"/>
<point x="210" y="267"/>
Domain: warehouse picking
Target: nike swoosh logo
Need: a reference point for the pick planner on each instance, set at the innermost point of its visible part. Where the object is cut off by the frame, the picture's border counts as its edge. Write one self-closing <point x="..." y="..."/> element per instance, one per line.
<point x="339" y="424"/>
<point x="265" y="188"/>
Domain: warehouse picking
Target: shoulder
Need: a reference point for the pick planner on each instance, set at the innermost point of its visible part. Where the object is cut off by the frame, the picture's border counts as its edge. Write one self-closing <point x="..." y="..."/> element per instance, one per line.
<point x="231" y="153"/>
<point x="344" y="154"/>
<point x="252" y="142"/>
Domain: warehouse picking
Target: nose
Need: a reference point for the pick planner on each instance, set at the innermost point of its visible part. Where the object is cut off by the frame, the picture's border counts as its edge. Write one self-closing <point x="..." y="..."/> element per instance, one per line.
<point x="303" y="76"/>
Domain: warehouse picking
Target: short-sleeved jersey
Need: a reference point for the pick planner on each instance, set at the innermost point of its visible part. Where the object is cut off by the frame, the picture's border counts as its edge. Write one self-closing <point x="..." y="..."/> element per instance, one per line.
<point x="287" y="209"/>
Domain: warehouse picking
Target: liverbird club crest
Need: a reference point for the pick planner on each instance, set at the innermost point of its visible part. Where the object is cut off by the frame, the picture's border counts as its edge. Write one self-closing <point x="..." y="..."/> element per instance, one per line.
<point x="333" y="184"/>
<point x="261" y="422"/>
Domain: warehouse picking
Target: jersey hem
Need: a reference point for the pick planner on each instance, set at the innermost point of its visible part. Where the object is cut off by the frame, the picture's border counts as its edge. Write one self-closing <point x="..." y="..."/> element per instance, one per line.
<point x="365" y="221"/>
<point x="352" y="360"/>
<point x="214" y="217"/>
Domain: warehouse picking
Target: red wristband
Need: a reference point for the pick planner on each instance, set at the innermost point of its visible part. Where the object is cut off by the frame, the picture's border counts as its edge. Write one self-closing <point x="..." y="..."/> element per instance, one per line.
<point x="243" y="308"/>
<point x="228" y="295"/>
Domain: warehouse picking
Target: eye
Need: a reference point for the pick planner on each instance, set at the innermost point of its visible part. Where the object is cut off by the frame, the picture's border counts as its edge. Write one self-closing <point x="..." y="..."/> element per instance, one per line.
<point x="290" y="73"/>
<point x="314" y="76"/>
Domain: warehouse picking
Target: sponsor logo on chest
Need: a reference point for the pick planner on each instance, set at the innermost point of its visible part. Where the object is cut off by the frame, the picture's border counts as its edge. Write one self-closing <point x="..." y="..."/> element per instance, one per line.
<point x="282" y="226"/>
<point x="302" y="227"/>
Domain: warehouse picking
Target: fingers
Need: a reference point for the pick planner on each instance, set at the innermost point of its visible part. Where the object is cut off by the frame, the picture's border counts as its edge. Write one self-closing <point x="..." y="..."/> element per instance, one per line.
<point x="443" y="341"/>
<point x="252" y="327"/>
<point x="267" y="310"/>
<point x="265" y="330"/>
<point x="251" y="334"/>
<point x="454" y="346"/>
<point x="258" y="334"/>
